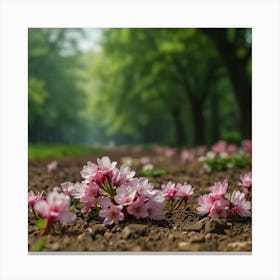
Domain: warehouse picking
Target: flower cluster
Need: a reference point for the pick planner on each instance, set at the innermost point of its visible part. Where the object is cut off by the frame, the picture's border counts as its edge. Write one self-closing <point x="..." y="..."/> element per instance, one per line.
<point x="176" y="194"/>
<point x="216" y="204"/>
<point x="116" y="192"/>
<point x="224" y="147"/>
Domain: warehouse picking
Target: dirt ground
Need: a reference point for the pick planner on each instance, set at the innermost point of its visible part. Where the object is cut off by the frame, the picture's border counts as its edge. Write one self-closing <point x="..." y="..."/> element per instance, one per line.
<point x="182" y="230"/>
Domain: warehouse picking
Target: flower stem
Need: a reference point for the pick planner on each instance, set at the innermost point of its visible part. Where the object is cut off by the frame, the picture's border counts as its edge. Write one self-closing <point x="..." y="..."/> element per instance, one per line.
<point x="47" y="227"/>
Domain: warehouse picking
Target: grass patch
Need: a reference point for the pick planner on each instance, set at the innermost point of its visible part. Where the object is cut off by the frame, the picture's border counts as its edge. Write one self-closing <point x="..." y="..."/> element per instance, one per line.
<point x="55" y="151"/>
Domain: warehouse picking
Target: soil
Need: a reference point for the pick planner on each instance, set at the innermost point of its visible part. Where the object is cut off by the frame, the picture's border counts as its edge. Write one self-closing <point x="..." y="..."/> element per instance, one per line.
<point x="182" y="230"/>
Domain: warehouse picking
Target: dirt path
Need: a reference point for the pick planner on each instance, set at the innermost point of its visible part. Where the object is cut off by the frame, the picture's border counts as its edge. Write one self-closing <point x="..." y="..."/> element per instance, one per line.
<point x="182" y="230"/>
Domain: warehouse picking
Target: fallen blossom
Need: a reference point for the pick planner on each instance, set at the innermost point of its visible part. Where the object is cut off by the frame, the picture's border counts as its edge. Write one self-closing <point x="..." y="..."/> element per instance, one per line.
<point x="184" y="191"/>
<point x="138" y="208"/>
<point x="169" y="191"/>
<point x="246" y="182"/>
<point x="52" y="167"/>
<point x="55" y="208"/>
<point x="218" y="190"/>
<point x="112" y="214"/>
<point x="125" y="194"/>
<point x="186" y="155"/>
<point x="32" y="198"/>
<point x="145" y="160"/>
<point x="241" y="205"/>
<point x="220" y="146"/>
<point x="205" y="203"/>
<point x="169" y="152"/>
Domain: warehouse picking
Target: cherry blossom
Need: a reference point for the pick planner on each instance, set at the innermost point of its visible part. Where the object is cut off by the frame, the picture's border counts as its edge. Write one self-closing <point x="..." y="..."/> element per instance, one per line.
<point x="155" y="210"/>
<point x="125" y="195"/>
<point x="186" y="155"/>
<point x="89" y="171"/>
<point x="122" y="175"/>
<point x="52" y="166"/>
<point x="231" y="148"/>
<point x="145" y="160"/>
<point x="246" y="182"/>
<point x="241" y="205"/>
<point x="144" y="187"/>
<point x="138" y="208"/>
<point x="105" y="165"/>
<point x="205" y="203"/>
<point x="32" y="198"/>
<point x="184" y="191"/>
<point x="247" y="145"/>
<point x="112" y="214"/>
<point x="55" y="208"/>
<point x="220" y="146"/>
<point x="169" y="190"/>
<point x="218" y="190"/>
<point x="169" y="152"/>
<point x="219" y="208"/>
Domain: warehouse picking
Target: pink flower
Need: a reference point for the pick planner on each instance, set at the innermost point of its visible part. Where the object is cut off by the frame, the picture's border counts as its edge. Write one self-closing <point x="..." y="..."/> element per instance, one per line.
<point x="144" y="187"/>
<point x="219" y="147"/>
<point x="144" y="160"/>
<point x="184" y="191"/>
<point x="247" y="145"/>
<point x="241" y="205"/>
<point x="111" y="213"/>
<point x="158" y="149"/>
<point x="105" y="202"/>
<point x="157" y="196"/>
<point x="88" y="195"/>
<point x="122" y="175"/>
<point x="138" y="208"/>
<point x="219" y="208"/>
<point x="105" y="164"/>
<point x="205" y="203"/>
<point x="125" y="195"/>
<point x="186" y="155"/>
<point x="155" y="210"/>
<point x="169" y="190"/>
<point x="52" y="166"/>
<point x="32" y="198"/>
<point x="201" y="150"/>
<point x="55" y="208"/>
<point x="231" y="148"/>
<point x="169" y="152"/>
<point x="89" y="171"/>
<point x="76" y="190"/>
<point x="218" y="190"/>
<point x="246" y="182"/>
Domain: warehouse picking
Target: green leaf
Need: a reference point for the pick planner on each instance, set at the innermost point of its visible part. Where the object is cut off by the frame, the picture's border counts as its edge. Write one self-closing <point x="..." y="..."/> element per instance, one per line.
<point x="41" y="224"/>
<point x="39" y="245"/>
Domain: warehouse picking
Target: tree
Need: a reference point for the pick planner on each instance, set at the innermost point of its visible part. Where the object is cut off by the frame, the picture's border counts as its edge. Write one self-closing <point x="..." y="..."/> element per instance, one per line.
<point x="234" y="46"/>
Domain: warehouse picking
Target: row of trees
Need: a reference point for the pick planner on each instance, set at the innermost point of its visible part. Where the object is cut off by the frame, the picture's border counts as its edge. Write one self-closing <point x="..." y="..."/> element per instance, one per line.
<point x="179" y="85"/>
<point x="55" y="95"/>
<point x="176" y="86"/>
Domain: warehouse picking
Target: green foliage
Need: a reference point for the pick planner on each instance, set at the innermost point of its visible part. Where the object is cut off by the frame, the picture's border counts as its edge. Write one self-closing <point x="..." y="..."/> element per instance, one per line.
<point x="55" y="98"/>
<point x="154" y="82"/>
<point x="41" y="223"/>
<point x="223" y="161"/>
<point x="150" y="171"/>
<point x="54" y="151"/>
<point x="145" y="85"/>
<point x="40" y="244"/>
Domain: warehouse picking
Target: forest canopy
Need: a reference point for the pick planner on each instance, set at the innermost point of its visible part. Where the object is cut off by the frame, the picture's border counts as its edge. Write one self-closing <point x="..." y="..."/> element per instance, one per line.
<point x="175" y="86"/>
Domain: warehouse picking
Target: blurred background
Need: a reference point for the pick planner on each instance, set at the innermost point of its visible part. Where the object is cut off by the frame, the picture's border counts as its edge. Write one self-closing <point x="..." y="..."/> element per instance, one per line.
<point x="163" y="86"/>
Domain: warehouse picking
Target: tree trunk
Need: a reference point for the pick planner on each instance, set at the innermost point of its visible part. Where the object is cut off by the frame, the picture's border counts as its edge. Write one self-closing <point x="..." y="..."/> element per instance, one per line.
<point x="215" y="127"/>
<point x="238" y="75"/>
<point x="180" y="135"/>
<point x="198" y="122"/>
